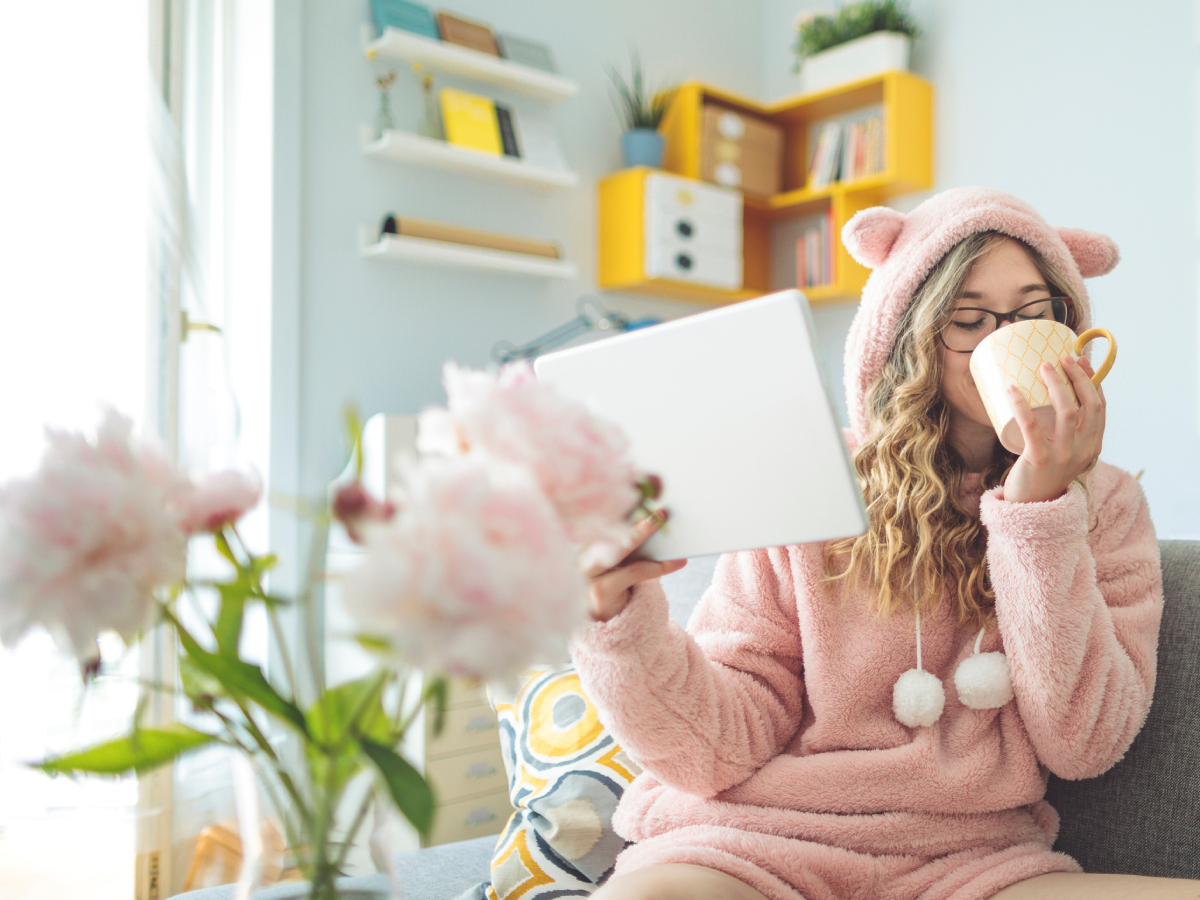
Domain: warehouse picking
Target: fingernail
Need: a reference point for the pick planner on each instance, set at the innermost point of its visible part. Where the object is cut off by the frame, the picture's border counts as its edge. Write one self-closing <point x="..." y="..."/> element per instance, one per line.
<point x="660" y="515"/>
<point x="1068" y="360"/>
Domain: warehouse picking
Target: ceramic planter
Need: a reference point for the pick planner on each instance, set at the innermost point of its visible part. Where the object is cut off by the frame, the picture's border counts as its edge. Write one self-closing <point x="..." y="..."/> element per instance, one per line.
<point x="883" y="51"/>
<point x="642" y="147"/>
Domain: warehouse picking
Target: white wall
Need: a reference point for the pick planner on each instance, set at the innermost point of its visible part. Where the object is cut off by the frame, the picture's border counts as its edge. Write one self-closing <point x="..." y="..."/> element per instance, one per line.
<point x="1089" y="112"/>
<point x="377" y="333"/>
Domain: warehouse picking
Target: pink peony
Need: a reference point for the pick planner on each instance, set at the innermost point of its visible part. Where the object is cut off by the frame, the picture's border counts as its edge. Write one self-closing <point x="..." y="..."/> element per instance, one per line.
<point x="88" y="538"/>
<point x="581" y="461"/>
<point x="474" y="576"/>
<point x="217" y="500"/>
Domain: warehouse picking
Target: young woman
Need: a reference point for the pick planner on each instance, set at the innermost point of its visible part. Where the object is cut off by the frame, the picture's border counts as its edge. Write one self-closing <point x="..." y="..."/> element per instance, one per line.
<point x="783" y="755"/>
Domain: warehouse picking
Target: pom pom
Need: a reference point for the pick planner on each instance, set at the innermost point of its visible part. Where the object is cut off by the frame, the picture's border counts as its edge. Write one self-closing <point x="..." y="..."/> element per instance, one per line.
<point x="918" y="698"/>
<point x="983" y="681"/>
<point x="870" y="234"/>
<point x="1095" y="254"/>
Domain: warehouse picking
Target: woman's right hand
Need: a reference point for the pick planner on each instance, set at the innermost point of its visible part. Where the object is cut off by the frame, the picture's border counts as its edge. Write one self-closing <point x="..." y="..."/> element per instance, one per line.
<point x="609" y="588"/>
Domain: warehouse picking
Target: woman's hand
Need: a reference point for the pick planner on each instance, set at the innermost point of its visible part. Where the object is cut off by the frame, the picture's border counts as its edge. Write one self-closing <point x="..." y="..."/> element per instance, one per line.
<point x="1048" y="465"/>
<point x="609" y="588"/>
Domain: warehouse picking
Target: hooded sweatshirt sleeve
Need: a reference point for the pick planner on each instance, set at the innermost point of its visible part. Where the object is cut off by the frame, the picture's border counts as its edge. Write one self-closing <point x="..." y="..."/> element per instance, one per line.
<point x="1078" y="604"/>
<point x="703" y="711"/>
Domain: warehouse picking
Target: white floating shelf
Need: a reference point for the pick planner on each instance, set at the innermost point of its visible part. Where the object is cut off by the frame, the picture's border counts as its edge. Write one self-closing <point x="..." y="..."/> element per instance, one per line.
<point x="405" y="46"/>
<point x="442" y="253"/>
<point x="404" y="147"/>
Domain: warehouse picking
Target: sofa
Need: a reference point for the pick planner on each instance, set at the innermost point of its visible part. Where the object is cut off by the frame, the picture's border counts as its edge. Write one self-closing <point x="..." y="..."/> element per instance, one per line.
<point x="1141" y="817"/>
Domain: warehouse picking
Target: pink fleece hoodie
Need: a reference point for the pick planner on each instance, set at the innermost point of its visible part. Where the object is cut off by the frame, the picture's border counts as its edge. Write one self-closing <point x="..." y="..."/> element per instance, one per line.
<point x="766" y="731"/>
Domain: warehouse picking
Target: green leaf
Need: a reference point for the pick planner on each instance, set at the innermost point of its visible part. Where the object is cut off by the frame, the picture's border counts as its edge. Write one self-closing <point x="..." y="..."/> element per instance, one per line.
<point x="411" y="792"/>
<point x="373" y="644"/>
<point x="198" y="684"/>
<point x="228" y="630"/>
<point x="224" y="549"/>
<point x="437" y="690"/>
<point x="355" y="707"/>
<point x="260" y="565"/>
<point x="242" y="680"/>
<point x="143" y="750"/>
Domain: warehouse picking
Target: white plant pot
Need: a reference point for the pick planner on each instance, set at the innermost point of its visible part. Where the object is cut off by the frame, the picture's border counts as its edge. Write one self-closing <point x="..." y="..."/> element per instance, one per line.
<point x="883" y="51"/>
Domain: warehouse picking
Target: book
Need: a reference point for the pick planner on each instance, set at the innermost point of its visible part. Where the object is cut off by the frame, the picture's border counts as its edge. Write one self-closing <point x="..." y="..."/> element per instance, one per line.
<point x="526" y="52"/>
<point x="466" y="33"/>
<point x="829" y="236"/>
<point x="452" y="234"/>
<point x="826" y="159"/>
<point x="505" y="117"/>
<point x="538" y="141"/>
<point x="406" y="15"/>
<point x="470" y="121"/>
<point x="801" y="268"/>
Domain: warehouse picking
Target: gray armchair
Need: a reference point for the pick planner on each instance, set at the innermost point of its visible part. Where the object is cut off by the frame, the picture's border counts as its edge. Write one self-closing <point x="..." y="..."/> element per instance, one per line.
<point x="1142" y="817"/>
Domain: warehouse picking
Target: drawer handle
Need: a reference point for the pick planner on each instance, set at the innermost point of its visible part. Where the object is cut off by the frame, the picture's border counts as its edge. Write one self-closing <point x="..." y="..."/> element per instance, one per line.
<point x="480" y="723"/>
<point x="479" y="816"/>
<point x="683" y="261"/>
<point x="481" y="770"/>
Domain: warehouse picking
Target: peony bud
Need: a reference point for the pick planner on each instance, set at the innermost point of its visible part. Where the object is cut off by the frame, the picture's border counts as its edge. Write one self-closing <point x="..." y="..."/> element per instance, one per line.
<point x="354" y="507"/>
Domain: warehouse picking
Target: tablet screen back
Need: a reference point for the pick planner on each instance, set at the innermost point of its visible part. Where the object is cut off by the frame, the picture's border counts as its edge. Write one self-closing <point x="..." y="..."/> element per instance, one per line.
<point x="729" y="407"/>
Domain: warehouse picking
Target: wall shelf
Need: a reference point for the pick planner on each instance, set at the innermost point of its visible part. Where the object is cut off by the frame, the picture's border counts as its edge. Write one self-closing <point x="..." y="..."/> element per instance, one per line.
<point x="404" y="46"/>
<point x="399" y="146"/>
<point x="399" y="248"/>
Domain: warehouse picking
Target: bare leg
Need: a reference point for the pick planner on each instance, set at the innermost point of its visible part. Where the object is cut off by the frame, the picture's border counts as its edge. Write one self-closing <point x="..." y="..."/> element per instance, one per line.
<point x="676" y="881"/>
<point x="1079" y="886"/>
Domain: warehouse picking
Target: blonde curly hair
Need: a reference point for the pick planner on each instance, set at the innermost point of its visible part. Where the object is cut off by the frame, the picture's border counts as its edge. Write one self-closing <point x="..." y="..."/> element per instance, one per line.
<point x="923" y="541"/>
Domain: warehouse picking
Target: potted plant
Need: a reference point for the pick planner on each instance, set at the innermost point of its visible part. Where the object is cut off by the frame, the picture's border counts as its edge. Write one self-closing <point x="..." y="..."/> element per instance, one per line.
<point x="97" y="539"/>
<point x="859" y="40"/>
<point x="641" y="114"/>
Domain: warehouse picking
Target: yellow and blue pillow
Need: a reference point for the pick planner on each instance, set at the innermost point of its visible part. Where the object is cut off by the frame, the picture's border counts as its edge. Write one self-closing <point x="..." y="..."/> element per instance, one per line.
<point x="565" y="776"/>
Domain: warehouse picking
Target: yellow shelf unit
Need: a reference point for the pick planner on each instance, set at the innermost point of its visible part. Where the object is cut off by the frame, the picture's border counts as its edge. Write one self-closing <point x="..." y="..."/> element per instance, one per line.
<point x="906" y="104"/>
<point x="622" y="246"/>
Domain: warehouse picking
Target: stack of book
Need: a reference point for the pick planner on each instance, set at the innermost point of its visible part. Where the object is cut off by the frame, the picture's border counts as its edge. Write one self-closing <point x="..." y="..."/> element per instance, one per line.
<point x="479" y="123"/>
<point x="845" y="152"/>
<point x="814" y="254"/>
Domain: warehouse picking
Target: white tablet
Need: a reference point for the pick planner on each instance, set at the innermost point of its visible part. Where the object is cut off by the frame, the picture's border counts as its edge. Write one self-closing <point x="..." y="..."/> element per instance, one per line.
<point x="729" y="407"/>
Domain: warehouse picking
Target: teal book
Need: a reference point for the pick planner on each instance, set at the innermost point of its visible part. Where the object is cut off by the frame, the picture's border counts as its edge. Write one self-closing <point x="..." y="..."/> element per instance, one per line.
<point x="406" y="15"/>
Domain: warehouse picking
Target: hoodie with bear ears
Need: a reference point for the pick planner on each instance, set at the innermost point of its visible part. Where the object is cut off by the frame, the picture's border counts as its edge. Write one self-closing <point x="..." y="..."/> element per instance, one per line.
<point x="766" y="730"/>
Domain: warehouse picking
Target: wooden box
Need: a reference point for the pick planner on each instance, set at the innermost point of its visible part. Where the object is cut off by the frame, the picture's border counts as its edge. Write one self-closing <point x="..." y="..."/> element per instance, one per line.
<point x="740" y="151"/>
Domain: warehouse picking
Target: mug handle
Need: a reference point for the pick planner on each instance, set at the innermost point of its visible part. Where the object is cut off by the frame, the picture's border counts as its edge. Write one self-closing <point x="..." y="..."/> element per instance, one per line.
<point x="1110" y="357"/>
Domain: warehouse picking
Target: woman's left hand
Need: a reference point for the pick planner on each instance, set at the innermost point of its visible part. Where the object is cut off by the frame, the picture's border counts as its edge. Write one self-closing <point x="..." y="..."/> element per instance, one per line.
<point x="1048" y="465"/>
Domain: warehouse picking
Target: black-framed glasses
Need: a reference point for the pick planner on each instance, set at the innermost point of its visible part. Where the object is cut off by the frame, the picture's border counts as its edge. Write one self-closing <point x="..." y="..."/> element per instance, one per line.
<point x="968" y="326"/>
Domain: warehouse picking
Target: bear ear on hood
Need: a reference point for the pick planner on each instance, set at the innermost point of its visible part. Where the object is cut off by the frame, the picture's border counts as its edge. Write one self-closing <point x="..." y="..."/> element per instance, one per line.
<point x="1095" y="254"/>
<point x="871" y="233"/>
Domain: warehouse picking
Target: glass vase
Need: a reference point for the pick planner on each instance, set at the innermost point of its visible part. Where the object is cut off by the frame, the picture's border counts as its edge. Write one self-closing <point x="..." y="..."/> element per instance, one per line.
<point x="383" y="118"/>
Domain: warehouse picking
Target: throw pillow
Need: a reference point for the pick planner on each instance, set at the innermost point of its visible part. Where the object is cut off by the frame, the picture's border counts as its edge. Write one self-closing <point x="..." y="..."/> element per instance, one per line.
<point x="565" y="776"/>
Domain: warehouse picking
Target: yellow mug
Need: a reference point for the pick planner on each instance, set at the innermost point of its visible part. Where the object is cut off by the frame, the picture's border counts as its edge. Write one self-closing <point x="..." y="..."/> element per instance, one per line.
<point x="1013" y="355"/>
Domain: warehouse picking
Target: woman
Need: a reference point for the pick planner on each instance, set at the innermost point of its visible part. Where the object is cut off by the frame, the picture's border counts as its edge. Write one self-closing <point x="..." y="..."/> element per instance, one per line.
<point x="782" y="756"/>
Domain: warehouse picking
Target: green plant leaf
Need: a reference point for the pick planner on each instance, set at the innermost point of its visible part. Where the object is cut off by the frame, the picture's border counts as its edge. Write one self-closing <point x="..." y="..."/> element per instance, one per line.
<point x="242" y="680"/>
<point x="228" y="630"/>
<point x="355" y="707"/>
<point x="141" y="751"/>
<point x="854" y="20"/>
<point x="412" y="793"/>
<point x="436" y="690"/>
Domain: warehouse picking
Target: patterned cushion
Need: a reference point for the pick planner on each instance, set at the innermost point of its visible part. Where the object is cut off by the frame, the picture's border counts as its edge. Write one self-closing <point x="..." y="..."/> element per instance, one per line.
<point x="565" y="776"/>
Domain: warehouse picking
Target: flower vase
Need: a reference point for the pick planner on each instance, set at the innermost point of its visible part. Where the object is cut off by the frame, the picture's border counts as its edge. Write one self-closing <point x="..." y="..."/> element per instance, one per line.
<point x="431" y="122"/>
<point x="383" y="118"/>
<point x="642" y="147"/>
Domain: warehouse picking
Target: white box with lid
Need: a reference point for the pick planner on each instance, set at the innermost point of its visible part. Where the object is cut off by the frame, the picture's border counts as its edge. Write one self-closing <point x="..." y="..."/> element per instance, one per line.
<point x="693" y="231"/>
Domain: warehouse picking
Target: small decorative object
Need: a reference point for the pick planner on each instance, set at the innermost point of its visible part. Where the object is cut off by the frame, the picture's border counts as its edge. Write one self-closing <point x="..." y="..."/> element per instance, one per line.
<point x="858" y="41"/>
<point x="431" y="120"/>
<point x="466" y="33"/>
<point x="405" y="15"/>
<point x="474" y="569"/>
<point x="641" y="144"/>
<point x="526" y="52"/>
<point x="383" y="118"/>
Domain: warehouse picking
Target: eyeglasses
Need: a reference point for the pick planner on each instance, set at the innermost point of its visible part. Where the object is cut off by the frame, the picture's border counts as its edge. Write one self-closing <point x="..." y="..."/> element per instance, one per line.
<point x="968" y="325"/>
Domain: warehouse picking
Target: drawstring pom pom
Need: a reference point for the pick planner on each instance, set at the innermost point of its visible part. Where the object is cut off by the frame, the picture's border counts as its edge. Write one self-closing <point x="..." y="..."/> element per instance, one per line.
<point x="983" y="681"/>
<point x="918" y="698"/>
